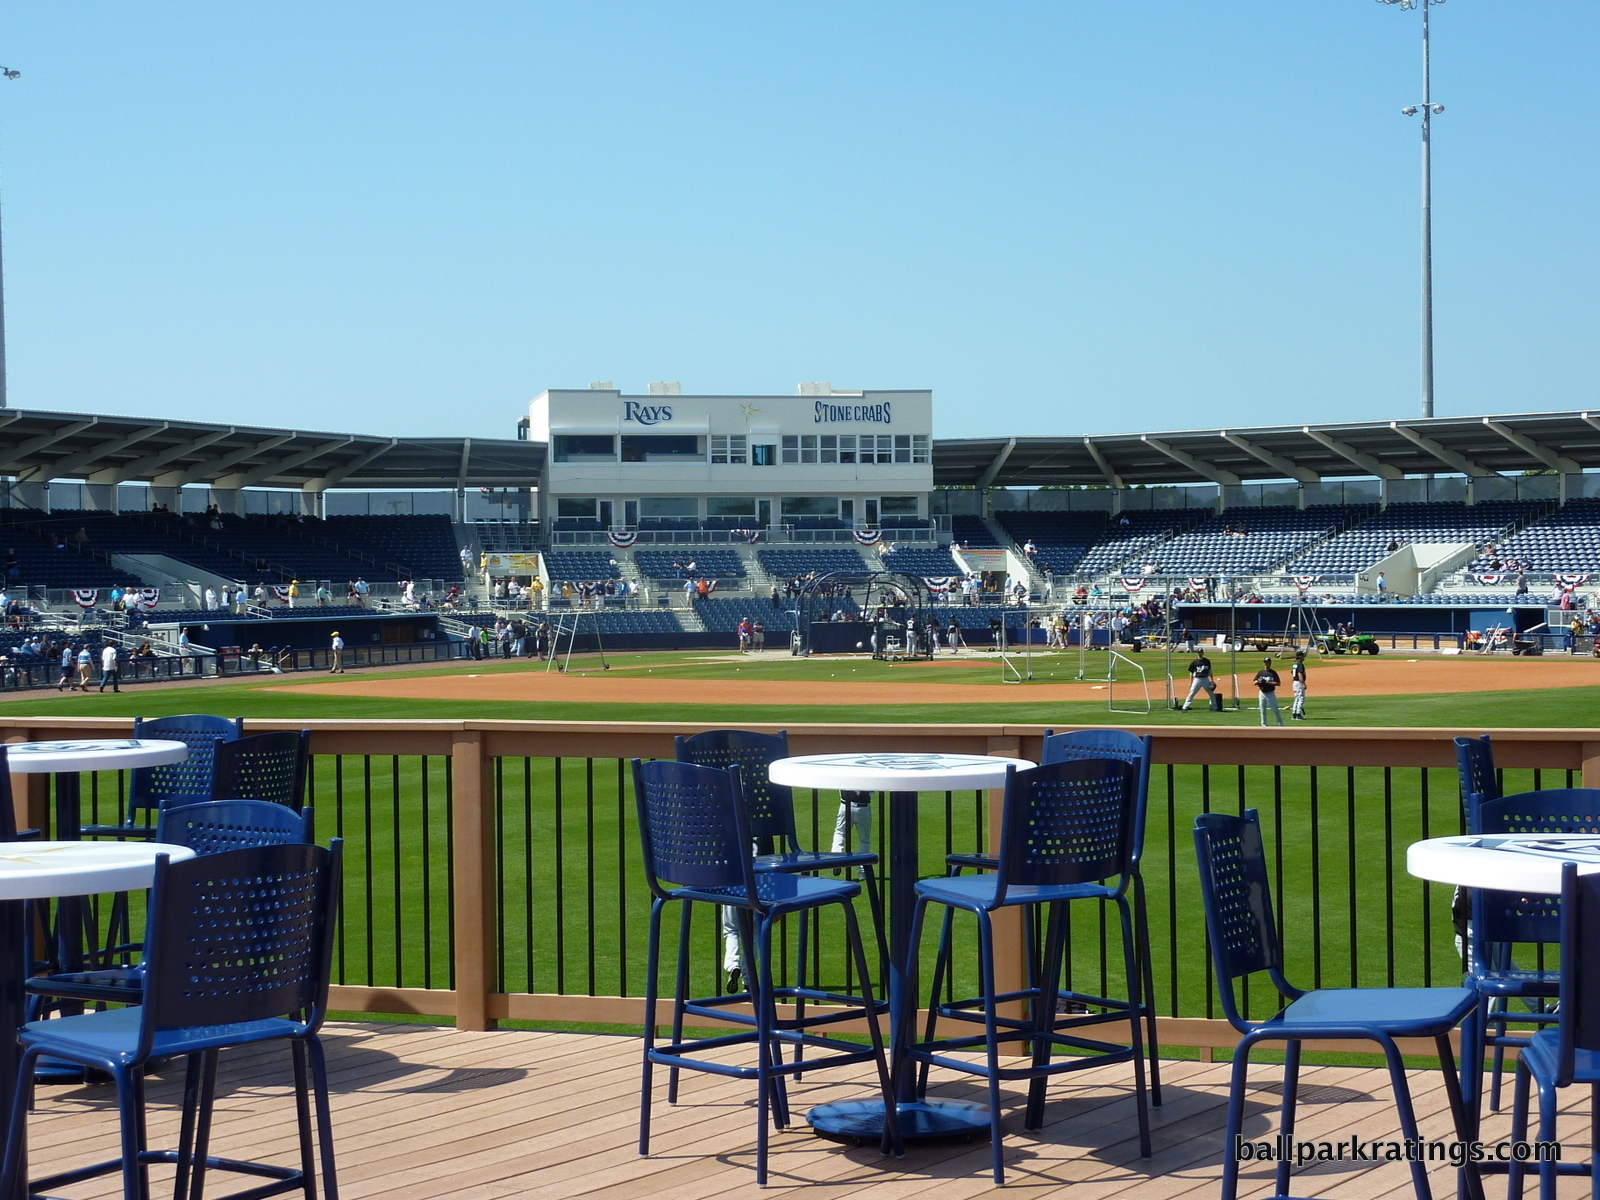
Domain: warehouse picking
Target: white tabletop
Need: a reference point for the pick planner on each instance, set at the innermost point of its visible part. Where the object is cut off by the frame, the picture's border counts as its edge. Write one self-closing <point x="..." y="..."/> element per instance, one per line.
<point x="36" y="870"/>
<point x="1507" y="862"/>
<point x="893" y="772"/>
<point x="99" y="754"/>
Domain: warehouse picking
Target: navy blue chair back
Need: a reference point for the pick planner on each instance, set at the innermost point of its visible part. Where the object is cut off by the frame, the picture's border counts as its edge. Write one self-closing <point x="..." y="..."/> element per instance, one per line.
<point x="768" y="806"/>
<point x="245" y="935"/>
<point x="1237" y="894"/>
<point x="267" y="766"/>
<point x="1107" y="743"/>
<point x="218" y="825"/>
<point x="187" y="781"/>
<point x="1505" y="918"/>
<point x="1066" y="823"/>
<point x="1475" y="765"/>
<point x="692" y="828"/>
<point x="1578" y="1027"/>
<point x="8" y="812"/>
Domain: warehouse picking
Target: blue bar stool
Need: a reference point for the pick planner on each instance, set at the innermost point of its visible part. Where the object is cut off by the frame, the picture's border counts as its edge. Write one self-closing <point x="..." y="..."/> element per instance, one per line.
<point x="1064" y="828"/>
<point x="696" y="843"/>
<point x="1134" y="750"/>
<point x="1569" y="1053"/>
<point x="1237" y="891"/>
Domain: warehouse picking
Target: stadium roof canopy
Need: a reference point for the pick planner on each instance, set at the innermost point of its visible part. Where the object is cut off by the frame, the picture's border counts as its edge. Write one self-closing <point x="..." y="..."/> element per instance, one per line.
<point x="1568" y="442"/>
<point x="39" y="446"/>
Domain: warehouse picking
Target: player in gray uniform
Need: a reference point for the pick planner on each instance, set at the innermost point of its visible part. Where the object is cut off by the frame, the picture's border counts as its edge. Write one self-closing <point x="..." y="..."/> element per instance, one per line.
<point x="1267" y="681"/>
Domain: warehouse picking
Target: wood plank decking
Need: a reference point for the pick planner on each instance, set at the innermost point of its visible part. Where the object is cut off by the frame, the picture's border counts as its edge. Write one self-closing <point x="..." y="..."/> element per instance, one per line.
<point x="432" y="1112"/>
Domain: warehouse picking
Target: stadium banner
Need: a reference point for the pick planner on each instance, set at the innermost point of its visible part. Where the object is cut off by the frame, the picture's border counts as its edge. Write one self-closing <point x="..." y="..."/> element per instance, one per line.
<point x="1197" y="581"/>
<point x="85" y="597"/>
<point x="520" y="564"/>
<point x="1132" y="585"/>
<point x="866" y="537"/>
<point x="941" y="583"/>
<point x="987" y="558"/>
<point x="280" y="594"/>
<point x="750" y="535"/>
<point x="145" y="597"/>
<point x="1573" y="581"/>
<point x="1488" y="580"/>
<point x="622" y="539"/>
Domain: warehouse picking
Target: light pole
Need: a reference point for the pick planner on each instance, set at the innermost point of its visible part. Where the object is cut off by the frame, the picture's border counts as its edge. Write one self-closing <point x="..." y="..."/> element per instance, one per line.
<point x="1429" y="110"/>
<point x="8" y="73"/>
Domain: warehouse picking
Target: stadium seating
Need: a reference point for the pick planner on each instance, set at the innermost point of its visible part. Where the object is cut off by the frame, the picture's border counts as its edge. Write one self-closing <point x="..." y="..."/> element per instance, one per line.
<point x="580" y="566"/>
<point x="40" y="564"/>
<point x="921" y="560"/>
<point x="709" y="563"/>
<point x="424" y="545"/>
<point x="722" y="615"/>
<point x="1566" y="542"/>
<point x="787" y="562"/>
<point x="1359" y="547"/>
<point x="1270" y="536"/>
<point x="632" y="620"/>
<point x="1060" y="539"/>
<point x="972" y="532"/>
<point x="1129" y="534"/>
<point x="507" y="537"/>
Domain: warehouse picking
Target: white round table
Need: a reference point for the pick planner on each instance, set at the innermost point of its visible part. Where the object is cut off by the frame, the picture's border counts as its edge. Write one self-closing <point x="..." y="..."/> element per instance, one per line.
<point x="1505" y="862"/>
<point x="48" y="870"/>
<point x="65" y="760"/>
<point x="902" y="776"/>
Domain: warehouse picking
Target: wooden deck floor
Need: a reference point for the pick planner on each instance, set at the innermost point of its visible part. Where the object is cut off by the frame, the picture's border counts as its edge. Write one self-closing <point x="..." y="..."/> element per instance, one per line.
<point x="429" y="1112"/>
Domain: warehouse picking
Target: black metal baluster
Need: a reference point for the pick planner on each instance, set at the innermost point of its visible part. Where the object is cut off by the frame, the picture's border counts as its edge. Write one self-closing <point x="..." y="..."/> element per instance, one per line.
<point x="561" y="891"/>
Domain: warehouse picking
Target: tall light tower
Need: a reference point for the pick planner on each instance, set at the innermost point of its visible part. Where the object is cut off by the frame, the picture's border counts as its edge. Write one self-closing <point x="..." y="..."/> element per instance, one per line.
<point x="1429" y="110"/>
<point x="7" y="73"/>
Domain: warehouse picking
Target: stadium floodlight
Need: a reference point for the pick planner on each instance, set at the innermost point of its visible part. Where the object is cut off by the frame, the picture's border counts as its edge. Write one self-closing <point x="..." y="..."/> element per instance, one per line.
<point x="1428" y="109"/>
<point x="9" y="74"/>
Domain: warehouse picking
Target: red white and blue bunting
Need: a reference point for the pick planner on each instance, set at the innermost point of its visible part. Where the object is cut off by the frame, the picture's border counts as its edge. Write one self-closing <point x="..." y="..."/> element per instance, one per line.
<point x="281" y="594"/>
<point x="148" y="597"/>
<point x="866" y="537"/>
<point x="1197" y="581"/>
<point x="941" y="583"/>
<point x="622" y="539"/>
<point x="1132" y="585"/>
<point x="85" y="597"/>
<point x="750" y="535"/>
<point x="1572" y="581"/>
<point x="1488" y="580"/>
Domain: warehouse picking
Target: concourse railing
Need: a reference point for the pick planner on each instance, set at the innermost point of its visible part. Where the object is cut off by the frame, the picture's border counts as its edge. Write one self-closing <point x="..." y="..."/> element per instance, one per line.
<point x="493" y="872"/>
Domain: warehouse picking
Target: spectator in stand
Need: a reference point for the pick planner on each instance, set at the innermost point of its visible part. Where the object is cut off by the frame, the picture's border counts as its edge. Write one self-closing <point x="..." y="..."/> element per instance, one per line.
<point x="758" y="636"/>
<point x="1030" y="549"/>
<point x="294" y="591"/>
<point x="211" y="597"/>
<point x="324" y="596"/>
<point x="80" y="539"/>
<point x="363" y="590"/>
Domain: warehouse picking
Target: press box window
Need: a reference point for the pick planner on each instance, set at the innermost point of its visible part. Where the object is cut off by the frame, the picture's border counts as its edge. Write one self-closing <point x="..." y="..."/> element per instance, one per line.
<point x="791" y="448"/>
<point x="898" y="506"/>
<point x="847" y="447"/>
<point x="576" y="508"/>
<point x="730" y="449"/>
<point x="877" y="448"/>
<point x="661" y="448"/>
<point x="919" y="447"/>
<point x="578" y="447"/>
<point x="764" y="454"/>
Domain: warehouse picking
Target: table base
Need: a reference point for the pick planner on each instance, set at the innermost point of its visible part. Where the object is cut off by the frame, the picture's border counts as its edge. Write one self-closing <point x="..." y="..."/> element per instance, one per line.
<point x="920" y="1120"/>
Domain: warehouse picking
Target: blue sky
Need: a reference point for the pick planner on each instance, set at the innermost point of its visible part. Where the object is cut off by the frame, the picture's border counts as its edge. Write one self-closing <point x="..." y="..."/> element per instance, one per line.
<point x="1063" y="218"/>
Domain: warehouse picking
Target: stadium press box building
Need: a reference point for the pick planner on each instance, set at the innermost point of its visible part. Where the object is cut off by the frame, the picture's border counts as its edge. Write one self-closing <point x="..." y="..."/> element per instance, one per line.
<point x="857" y="457"/>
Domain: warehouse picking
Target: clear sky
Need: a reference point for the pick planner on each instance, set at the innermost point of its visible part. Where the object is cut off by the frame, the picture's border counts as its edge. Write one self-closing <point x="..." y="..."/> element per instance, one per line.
<point x="1066" y="217"/>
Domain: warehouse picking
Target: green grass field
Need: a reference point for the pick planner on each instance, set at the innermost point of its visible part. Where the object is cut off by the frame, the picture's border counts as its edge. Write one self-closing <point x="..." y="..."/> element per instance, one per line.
<point x="1473" y="707"/>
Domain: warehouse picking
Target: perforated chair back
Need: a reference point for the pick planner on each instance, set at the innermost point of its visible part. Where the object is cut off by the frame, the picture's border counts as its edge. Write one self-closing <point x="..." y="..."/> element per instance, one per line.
<point x="692" y="827"/>
<point x="1475" y="765"/>
<point x="1237" y="895"/>
<point x="267" y="766"/>
<point x="1510" y="917"/>
<point x="768" y="806"/>
<point x="245" y="935"/>
<point x="1066" y="823"/>
<point x="219" y="825"/>
<point x="1107" y="743"/>
<point x="8" y="812"/>
<point x="1579" y="1024"/>
<point x="187" y="781"/>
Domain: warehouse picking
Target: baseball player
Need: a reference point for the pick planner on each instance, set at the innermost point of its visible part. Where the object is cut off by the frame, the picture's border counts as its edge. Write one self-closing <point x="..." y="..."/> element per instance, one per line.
<point x="1200" y="677"/>
<point x="1267" y="682"/>
<point x="1297" y="681"/>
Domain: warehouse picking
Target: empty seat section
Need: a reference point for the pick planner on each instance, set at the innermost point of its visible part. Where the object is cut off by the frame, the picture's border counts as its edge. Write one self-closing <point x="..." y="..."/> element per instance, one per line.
<point x="1246" y="540"/>
<point x="791" y="563"/>
<point x="1128" y="535"/>
<point x="971" y="531"/>
<point x="700" y="563"/>
<point x="1060" y="539"/>
<point x="1362" y="545"/>
<point x="424" y="544"/>
<point x="580" y="566"/>
<point x="1567" y="542"/>
<point x="922" y="560"/>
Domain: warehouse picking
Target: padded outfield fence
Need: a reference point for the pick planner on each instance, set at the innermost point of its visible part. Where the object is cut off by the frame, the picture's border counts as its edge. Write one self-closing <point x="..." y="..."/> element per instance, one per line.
<point x="492" y="867"/>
